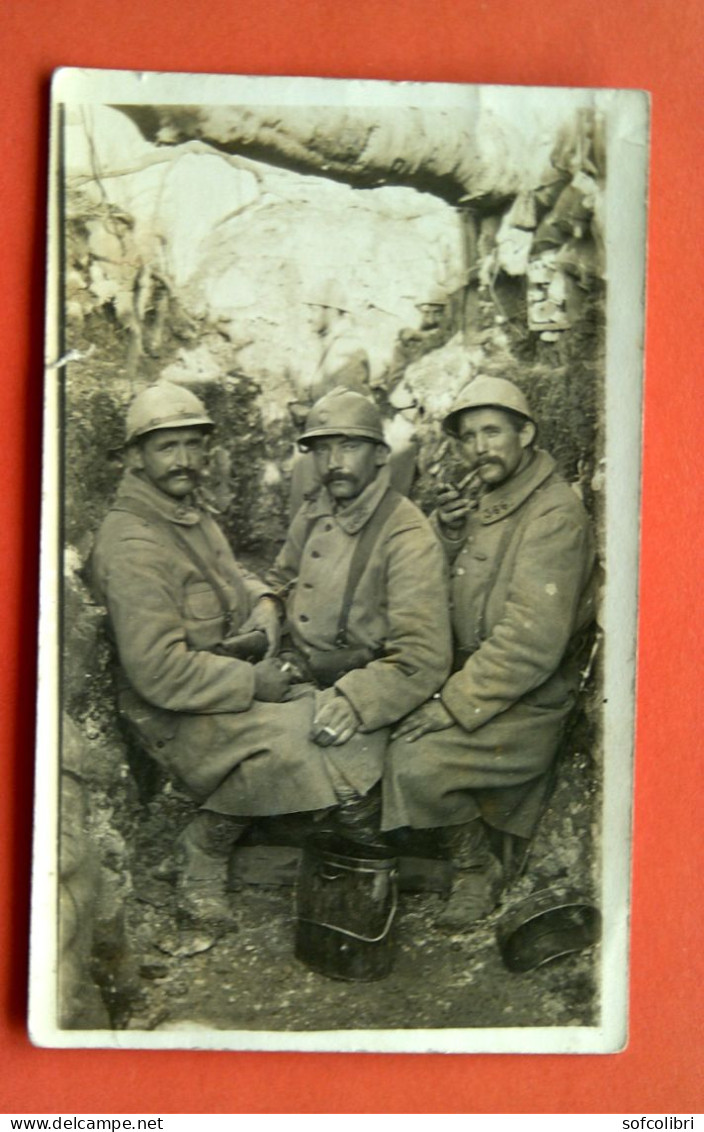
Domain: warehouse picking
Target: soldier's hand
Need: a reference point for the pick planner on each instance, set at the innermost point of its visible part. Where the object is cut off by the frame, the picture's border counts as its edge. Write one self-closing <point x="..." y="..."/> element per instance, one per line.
<point x="335" y="720"/>
<point x="453" y="508"/>
<point x="270" y="683"/>
<point x="431" y="716"/>
<point x="266" y="616"/>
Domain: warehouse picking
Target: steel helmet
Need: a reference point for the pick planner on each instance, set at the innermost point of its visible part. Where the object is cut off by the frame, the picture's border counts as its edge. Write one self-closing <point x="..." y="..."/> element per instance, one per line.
<point x="488" y="393"/>
<point x="329" y="294"/>
<point x="164" y="405"/>
<point x="435" y="297"/>
<point x="343" y="413"/>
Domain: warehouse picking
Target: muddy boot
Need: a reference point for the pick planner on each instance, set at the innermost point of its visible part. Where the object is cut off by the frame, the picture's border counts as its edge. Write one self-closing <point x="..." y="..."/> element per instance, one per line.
<point x="203" y="852"/>
<point x="358" y="817"/>
<point x="478" y="880"/>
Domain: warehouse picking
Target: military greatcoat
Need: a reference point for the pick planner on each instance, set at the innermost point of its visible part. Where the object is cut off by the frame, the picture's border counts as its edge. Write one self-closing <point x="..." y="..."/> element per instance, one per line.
<point x="400" y="604"/>
<point x="522" y="593"/>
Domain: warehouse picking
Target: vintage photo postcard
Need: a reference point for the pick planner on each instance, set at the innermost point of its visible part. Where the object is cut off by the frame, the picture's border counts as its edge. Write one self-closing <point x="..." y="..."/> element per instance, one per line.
<point x="339" y="565"/>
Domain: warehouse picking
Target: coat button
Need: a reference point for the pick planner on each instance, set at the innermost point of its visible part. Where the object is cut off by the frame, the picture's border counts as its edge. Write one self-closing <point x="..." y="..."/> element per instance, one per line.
<point x="160" y="743"/>
<point x="303" y="617"/>
<point x="315" y="554"/>
<point x="327" y="527"/>
<point x="307" y="586"/>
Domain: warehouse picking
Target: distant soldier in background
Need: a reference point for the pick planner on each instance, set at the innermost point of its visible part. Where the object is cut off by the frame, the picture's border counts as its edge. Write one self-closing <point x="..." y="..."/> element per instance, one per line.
<point x="342" y="361"/>
<point x="412" y="343"/>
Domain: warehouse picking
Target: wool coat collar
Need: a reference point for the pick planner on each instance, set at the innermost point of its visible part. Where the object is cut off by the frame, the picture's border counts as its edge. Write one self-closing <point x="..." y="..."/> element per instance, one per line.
<point x="509" y="496"/>
<point x="359" y="511"/>
<point x="136" y="492"/>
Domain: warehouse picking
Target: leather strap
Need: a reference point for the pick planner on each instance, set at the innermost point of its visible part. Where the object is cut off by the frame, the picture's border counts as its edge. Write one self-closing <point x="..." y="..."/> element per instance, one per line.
<point x="362" y="552"/>
<point x="190" y="552"/>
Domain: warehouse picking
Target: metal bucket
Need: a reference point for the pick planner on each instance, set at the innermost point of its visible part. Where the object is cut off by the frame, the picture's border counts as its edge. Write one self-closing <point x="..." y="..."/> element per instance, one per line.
<point x="346" y="900"/>
<point x="546" y="926"/>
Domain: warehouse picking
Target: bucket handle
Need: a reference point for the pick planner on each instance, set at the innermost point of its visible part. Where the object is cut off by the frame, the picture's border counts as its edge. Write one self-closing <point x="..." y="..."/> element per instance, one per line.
<point x="355" y="935"/>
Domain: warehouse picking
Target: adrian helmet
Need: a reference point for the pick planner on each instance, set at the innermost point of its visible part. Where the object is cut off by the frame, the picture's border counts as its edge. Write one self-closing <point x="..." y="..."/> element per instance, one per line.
<point x="343" y="412"/>
<point x="487" y="393"/>
<point x="434" y="297"/>
<point x="330" y="293"/>
<point x="164" y="405"/>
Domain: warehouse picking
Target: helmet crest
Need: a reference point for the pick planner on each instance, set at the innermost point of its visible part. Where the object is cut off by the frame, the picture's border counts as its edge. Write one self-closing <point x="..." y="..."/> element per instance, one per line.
<point x="343" y="412"/>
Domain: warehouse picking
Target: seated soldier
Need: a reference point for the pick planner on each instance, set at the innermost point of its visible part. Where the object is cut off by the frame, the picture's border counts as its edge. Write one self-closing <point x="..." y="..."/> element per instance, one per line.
<point x="367" y="606"/>
<point x="210" y="713"/>
<point x="474" y="758"/>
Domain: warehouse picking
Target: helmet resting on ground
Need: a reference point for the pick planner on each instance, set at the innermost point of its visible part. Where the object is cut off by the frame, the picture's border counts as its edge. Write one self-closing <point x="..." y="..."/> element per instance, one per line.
<point x="164" y="405"/>
<point x="343" y="412"/>
<point x="487" y="393"/>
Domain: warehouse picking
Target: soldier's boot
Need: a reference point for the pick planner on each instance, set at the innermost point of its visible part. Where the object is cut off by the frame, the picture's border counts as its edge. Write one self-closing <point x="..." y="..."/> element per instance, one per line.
<point x="478" y="882"/>
<point x="203" y="852"/>
<point x="358" y="817"/>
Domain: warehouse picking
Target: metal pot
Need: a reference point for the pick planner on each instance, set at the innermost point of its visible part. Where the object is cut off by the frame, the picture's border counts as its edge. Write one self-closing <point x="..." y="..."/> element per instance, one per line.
<point x="346" y="900"/>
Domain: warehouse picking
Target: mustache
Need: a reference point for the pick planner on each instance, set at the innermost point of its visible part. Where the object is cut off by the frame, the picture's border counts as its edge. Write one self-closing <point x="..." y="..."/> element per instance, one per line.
<point x="183" y="472"/>
<point x="338" y="477"/>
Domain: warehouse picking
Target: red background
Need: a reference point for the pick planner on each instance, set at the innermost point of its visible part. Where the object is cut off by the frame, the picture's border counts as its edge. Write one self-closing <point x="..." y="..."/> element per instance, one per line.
<point x="656" y="45"/>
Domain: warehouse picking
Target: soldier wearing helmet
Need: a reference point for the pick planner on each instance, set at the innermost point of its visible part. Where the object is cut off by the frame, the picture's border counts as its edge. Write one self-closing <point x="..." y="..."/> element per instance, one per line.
<point x="413" y="343"/>
<point x="432" y="309"/>
<point x="473" y="762"/>
<point x="367" y="610"/>
<point x="342" y="358"/>
<point x="342" y="362"/>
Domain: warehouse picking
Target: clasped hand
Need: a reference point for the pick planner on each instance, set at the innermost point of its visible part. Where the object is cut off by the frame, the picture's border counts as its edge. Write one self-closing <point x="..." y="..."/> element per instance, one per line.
<point x="265" y="616"/>
<point x="335" y="721"/>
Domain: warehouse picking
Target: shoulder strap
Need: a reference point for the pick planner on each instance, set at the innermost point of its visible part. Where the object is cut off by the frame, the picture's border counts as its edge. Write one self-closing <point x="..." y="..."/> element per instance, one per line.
<point x="362" y="552"/>
<point x="188" y="550"/>
<point x="513" y="523"/>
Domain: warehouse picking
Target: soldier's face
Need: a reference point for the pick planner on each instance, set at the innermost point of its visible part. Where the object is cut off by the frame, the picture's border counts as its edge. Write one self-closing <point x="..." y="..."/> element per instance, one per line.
<point x="173" y="459"/>
<point x="430" y="315"/>
<point x="347" y="465"/>
<point x="318" y="318"/>
<point x="492" y="443"/>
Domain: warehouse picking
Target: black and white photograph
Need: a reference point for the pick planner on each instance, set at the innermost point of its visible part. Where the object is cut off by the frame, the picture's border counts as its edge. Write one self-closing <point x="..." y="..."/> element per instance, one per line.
<point x="340" y="520"/>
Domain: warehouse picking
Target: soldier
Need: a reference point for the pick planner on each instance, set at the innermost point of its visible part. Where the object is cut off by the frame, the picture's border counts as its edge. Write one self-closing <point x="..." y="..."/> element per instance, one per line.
<point x="368" y="611"/>
<point x="432" y="309"/>
<point x="195" y="636"/>
<point x="413" y="343"/>
<point x="474" y="758"/>
<point x="342" y="361"/>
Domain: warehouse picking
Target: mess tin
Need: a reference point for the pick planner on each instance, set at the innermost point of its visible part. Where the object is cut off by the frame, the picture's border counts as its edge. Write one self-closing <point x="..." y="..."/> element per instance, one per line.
<point x="546" y="926"/>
